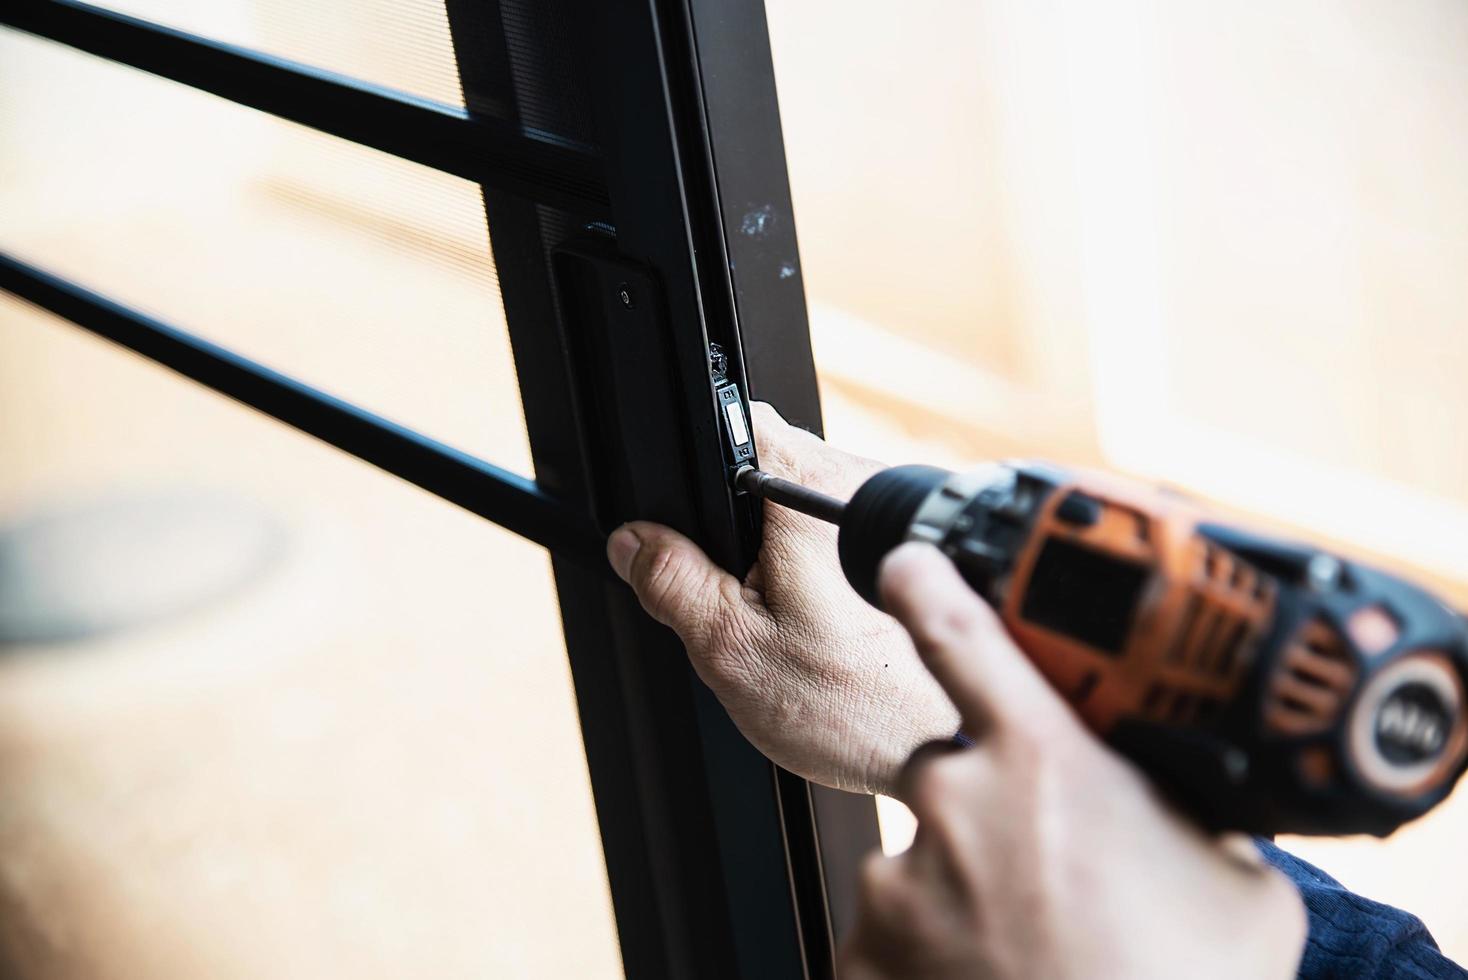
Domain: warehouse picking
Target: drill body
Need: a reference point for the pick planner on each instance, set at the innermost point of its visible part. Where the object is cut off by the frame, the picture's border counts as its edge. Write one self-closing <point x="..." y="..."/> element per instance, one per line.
<point x="1267" y="686"/>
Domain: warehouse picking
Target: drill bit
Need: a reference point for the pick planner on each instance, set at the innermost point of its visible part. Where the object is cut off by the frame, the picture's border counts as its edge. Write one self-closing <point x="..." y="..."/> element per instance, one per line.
<point x="787" y="494"/>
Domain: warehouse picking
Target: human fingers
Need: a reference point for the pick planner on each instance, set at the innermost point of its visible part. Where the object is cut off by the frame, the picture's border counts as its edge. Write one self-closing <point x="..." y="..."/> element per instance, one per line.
<point x="677" y="584"/>
<point x="888" y="914"/>
<point x="963" y="644"/>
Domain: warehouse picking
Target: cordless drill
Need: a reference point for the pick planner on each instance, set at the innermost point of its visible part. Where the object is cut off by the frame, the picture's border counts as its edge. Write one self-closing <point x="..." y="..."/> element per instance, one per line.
<point x="1267" y="686"/>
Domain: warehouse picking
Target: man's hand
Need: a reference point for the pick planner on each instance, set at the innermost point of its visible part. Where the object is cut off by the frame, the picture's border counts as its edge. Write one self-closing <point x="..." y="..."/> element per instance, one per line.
<point x="819" y="681"/>
<point x="1039" y="852"/>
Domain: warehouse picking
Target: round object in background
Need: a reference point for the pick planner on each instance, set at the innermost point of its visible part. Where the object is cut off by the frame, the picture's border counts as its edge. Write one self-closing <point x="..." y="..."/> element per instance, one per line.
<point x="81" y="570"/>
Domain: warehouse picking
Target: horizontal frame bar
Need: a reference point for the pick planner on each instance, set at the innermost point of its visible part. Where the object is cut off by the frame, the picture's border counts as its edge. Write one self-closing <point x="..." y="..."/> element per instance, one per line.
<point x="488" y="151"/>
<point x="498" y="495"/>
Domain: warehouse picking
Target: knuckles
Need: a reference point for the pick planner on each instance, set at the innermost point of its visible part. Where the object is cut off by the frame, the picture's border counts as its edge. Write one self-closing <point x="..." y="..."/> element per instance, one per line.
<point x="957" y="625"/>
<point x="657" y="575"/>
<point x="676" y="592"/>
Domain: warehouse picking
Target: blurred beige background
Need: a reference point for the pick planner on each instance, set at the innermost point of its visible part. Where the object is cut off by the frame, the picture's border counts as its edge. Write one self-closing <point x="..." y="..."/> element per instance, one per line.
<point x="1216" y="246"/>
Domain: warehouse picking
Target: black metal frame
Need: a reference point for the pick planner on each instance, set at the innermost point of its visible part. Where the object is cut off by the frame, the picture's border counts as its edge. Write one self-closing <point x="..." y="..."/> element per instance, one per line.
<point x="500" y="495"/>
<point x="720" y="864"/>
<point x="477" y="147"/>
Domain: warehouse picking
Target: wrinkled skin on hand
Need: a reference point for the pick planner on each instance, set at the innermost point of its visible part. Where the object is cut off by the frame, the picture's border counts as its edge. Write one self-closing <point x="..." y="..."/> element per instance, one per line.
<point x="814" y="677"/>
<point x="1039" y="851"/>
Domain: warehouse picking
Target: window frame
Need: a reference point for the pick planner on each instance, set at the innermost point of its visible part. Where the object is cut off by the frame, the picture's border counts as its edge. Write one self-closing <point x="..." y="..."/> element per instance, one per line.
<point x="720" y="864"/>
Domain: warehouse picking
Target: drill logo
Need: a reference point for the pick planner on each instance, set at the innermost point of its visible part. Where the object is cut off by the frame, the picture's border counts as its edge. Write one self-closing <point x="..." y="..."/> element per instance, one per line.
<point x="1412" y="724"/>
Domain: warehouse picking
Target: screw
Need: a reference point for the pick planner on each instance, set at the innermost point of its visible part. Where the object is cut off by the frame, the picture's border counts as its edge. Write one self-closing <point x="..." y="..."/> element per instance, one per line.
<point x="625" y="295"/>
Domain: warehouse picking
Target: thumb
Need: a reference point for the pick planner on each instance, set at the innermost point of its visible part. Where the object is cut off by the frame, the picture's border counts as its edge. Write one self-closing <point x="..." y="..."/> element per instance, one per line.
<point x="962" y="642"/>
<point x="674" y="580"/>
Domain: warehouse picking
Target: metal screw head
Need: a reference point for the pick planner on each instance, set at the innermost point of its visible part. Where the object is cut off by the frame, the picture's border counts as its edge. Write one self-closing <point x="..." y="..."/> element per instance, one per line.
<point x="625" y="295"/>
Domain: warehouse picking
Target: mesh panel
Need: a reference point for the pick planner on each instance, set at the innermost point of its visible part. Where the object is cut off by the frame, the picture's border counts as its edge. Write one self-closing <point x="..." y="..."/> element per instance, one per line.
<point x="549" y="90"/>
<point x="403" y="44"/>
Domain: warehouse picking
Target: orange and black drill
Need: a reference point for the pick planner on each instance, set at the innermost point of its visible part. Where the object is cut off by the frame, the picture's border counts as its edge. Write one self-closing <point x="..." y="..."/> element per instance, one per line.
<point x="1267" y="686"/>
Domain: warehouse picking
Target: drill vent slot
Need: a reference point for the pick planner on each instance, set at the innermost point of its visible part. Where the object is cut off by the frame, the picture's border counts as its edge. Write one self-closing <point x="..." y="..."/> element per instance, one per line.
<point x="1228" y="653"/>
<point x="1210" y="621"/>
<point x="1242" y="577"/>
<point x="1178" y="649"/>
<point x="1210" y="639"/>
<point x="1219" y="621"/>
<point x="1177" y="706"/>
<point x="1312" y="682"/>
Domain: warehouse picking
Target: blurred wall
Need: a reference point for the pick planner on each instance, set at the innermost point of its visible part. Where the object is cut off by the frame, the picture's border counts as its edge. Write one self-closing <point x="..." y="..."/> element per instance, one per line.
<point x="1220" y="246"/>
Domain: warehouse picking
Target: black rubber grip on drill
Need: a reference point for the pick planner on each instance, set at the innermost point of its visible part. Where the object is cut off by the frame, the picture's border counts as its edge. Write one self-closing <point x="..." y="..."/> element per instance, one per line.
<point x="877" y="520"/>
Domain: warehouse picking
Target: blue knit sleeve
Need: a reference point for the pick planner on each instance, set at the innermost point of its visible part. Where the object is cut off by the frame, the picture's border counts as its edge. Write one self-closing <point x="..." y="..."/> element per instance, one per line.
<point x="1354" y="937"/>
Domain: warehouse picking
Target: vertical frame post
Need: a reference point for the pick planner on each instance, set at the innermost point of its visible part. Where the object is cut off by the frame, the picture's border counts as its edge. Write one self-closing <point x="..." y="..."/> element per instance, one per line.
<point x="713" y="854"/>
<point x="746" y="157"/>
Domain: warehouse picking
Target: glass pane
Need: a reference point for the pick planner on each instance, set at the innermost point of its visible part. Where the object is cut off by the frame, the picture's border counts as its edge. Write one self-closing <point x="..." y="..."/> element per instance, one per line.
<point x="403" y="44"/>
<point x="357" y="272"/>
<point x="1221" y="249"/>
<point x="289" y="717"/>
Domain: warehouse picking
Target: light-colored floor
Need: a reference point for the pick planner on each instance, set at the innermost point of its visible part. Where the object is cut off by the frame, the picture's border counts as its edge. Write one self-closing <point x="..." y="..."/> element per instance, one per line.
<point x="367" y="764"/>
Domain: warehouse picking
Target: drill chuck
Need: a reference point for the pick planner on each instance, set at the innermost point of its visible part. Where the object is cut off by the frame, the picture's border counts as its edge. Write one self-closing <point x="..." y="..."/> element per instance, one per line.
<point x="878" y="519"/>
